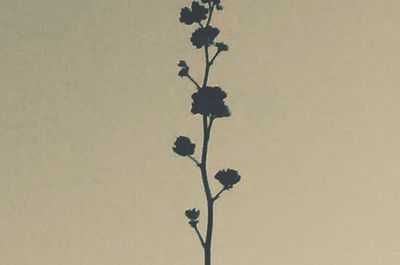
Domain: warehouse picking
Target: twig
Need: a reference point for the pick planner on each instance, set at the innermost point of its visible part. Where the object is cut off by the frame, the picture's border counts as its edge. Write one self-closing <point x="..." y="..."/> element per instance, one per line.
<point x="199" y="235"/>
<point x="216" y="197"/>
<point x="193" y="81"/>
<point x="215" y="57"/>
<point x="195" y="161"/>
<point x="211" y="8"/>
<point x="211" y="123"/>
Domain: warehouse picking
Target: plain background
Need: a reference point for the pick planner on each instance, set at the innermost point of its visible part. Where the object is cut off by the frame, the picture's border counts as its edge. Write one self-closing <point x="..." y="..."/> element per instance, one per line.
<point x="90" y="104"/>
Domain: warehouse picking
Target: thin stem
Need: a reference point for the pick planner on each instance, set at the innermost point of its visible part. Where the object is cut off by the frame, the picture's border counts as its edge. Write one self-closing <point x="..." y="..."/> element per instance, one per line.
<point x="207" y="66"/>
<point x="206" y="53"/>
<point x="193" y="81"/>
<point x="194" y="160"/>
<point x="211" y="8"/>
<point x="215" y="57"/>
<point x="203" y="164"/>
<point x="199" y="235"/>
<point x="216" y="197"/>
<point x="211" y="124"/>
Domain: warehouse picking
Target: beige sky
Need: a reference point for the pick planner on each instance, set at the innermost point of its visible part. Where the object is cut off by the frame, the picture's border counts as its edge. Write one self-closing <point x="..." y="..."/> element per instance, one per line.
<point x="90" y="104"/>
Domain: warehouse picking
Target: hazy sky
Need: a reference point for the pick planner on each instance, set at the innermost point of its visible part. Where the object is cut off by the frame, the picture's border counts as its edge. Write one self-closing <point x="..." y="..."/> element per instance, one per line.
<point x="90" y="105"/>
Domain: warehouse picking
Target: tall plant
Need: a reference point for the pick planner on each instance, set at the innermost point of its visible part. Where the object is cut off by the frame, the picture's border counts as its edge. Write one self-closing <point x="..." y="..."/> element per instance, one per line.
<point x="208" y="102"/>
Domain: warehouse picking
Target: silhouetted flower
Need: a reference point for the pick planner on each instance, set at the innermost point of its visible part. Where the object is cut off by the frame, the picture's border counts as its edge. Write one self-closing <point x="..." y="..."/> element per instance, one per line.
<point x="228" y="177"/>
<point x="204" y="36"/>
<point x="196" y="14"/>
<point x="217" y="3"/>
<point x="222" y="47"/>
<point x="210" y="101"/>
<point x="192" y="214"/>
<point x="183" y="146"/>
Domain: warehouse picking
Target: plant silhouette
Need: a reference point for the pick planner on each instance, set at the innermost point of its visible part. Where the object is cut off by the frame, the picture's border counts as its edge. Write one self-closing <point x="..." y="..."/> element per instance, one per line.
<point x="208" y="102"/>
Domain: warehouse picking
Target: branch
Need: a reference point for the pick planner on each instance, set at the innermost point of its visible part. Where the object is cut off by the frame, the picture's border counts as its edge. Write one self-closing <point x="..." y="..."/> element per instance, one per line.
<point x="215" y="57"/>
<point x="193" y="81"/>
<point x="216" y="197"/>
<point x="198" y="234"/>
<point x="195" y="161"/>
<point x="203" y="166"/>
<point x="211" y="8"/>
<point x="206" y="53"/>
<point x="211" y="123"/>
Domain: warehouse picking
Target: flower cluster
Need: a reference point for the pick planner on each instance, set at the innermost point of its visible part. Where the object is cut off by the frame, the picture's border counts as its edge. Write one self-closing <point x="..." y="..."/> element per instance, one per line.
<point x="196" y="14"/>
<point x="183" y="146"/>
<point x="204" y="36"/>
<point x="228" y="178"/>
<point x="192" y="215"/>
<point x="209" y="101"/>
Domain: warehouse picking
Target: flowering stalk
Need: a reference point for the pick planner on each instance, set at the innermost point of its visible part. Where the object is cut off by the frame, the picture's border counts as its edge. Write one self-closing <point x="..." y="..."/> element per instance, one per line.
<point x="209" y="103"/>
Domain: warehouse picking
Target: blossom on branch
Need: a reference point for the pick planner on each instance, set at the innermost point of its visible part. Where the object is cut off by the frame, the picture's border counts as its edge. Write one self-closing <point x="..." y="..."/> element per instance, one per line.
<point x="209" y="101"/>
<point x="183" y="146"/>
<point x="221" y="46"/>
<point x="197" y="14"/>
<point x="228" y="177"/>
<point x="192" y="215"/>
<point x="204" y="36"/>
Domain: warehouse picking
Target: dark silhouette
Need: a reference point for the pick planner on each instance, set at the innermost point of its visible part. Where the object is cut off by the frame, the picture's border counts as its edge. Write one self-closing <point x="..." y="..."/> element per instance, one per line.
<point x="209" y="102"/>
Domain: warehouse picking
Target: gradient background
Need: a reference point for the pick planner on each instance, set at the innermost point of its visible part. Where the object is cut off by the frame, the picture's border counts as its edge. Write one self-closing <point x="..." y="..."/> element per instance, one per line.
<point x="90" y="105"/>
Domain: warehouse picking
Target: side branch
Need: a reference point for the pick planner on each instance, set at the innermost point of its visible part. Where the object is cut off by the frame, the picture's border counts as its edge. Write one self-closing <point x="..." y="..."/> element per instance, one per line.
<point x="193" y="81"/>
<point x="195" y="161"/>
<point x="211" y="9"/>
<point x="199" y="235"/>
<point x="216" y="197"/>
<point x="214" y="57"/>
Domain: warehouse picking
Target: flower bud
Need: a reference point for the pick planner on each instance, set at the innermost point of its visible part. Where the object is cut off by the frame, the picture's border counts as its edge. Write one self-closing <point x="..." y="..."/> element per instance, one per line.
<point x="183" y="64"/>
<point x="183" y="72"/>
<point x="192" y="214"/>
<point x="222" y="47"/>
